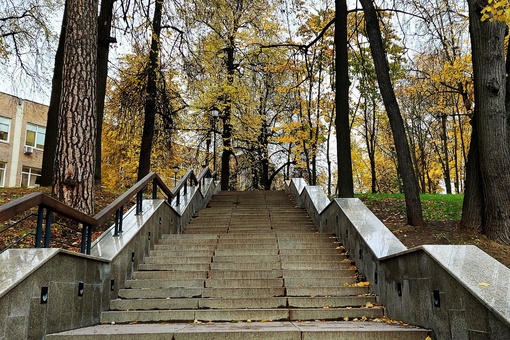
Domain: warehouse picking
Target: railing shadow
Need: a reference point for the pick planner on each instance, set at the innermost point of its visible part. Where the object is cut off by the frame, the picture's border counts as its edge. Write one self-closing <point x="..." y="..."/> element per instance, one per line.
<point x="48" y="206"/>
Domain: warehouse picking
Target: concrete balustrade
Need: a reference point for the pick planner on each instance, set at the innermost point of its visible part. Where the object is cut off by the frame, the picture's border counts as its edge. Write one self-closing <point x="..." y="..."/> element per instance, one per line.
<point x="458" y="291"/>
<point x="45" y="291"/>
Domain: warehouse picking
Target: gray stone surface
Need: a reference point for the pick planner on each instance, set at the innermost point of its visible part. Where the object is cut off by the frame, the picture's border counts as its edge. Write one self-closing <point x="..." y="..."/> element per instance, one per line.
<point x="381" y="241"/>
<point x="281" y="330"/>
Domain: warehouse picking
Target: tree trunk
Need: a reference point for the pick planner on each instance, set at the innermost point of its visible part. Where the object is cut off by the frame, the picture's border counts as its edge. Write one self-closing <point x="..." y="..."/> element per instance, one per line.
<point x="144" y="164"/>
<point x="227" y="125"/>
<point x="345" y="184"/>
<point x="103" y="49"/>
<point x="472" y="206"/>
<point x="50" y="139"/>
<point x="488" y="53"/>
<point x="444" y="140"/>
<point x="74" y="161"/>
<point x="405" y="165"/>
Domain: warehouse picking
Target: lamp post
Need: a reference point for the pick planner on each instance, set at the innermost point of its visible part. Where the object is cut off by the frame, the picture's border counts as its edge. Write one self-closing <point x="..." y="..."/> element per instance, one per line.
<point x="176" y="170"/>
<point x="215" y="113"/>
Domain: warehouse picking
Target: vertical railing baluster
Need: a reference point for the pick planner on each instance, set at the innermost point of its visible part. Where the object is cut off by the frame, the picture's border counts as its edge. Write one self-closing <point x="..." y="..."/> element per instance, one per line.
<point x="116" y="224"/>
<point x="47" y="233"/>
<point x="154" y="189"/>
<point x="83" y="238"/>
<point x="89" y="239"/>
<point x="121" y="218"/>
<point x="139" y="198"/>
<point x="38" y="232"/>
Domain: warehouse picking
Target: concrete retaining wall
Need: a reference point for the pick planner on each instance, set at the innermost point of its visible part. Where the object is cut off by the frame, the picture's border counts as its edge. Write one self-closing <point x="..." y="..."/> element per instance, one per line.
<point x="41" y="289"/>
<point x="459" y="292"/>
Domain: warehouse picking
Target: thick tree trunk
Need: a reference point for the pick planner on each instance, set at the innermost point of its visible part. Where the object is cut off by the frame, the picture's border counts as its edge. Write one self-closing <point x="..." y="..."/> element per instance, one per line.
<point x="50" y="139"/>
<point x="488" y="53"/>
<point x="103" y="49"/>
<point x="405" y="165"/>
<point x="472" y="206"/>
<point x="74" y="161"/>
<point x="345" y="184"/>
<point x="144" y="164"/>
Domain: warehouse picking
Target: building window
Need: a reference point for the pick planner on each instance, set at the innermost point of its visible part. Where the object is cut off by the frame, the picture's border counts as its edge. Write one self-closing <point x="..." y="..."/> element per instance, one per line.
<point x="35" y="136"/>
<point x="29" y="176"/>
<point x="5" y="126"/>
<point x="2" y="174"/>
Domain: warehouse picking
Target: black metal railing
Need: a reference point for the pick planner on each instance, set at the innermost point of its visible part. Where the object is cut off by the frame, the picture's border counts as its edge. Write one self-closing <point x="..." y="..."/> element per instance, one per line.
<point x="47" y="207"/>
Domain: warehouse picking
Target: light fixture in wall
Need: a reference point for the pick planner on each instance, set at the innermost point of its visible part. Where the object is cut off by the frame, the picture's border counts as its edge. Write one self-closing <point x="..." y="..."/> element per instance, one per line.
<point x="437" y="298"/>
<point x="44" y="295"/>
<point x="81" y="288"/>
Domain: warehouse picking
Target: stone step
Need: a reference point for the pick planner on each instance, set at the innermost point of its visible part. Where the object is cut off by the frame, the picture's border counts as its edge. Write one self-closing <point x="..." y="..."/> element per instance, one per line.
<point x="182" y="253"/>
<point x="281" y="330"/>
<point x="175" y="266"/>
<point x="319" y="282"/>
<point x="218" y="315"/>
<point x="181" y="237"/>
<point x="164" y="283"/>
<point x="177" y="260"/>
<point x="246" y="252"/>
<point x="315" y="265"/>
<point x="256" y="292"/>
<point x="311" y="251"/>
<point x="244" y="283"/>
<point x="188" y="241"/>
<point x="246" y="265"/>
<point x="314" y="258"/>
<point x="318" y="273"/>
<point x="246" y="245"/>
<point x="326" y="291"/>
<point x="169" y="275"/>
<point x="246" y="303"/>
<point x="245" y="274"/>
<point x="190" y="247"/>
<point x="159" y="293"/>
<point x="239" y="259"/>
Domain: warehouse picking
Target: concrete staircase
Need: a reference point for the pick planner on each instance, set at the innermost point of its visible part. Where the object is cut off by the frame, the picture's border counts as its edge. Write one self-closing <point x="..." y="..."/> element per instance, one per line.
<point x="253" y="258"/>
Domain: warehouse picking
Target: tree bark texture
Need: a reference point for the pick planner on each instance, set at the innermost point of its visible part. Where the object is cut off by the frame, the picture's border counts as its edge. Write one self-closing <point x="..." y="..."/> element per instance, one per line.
<point x="103" y="48"/>
<point x="144" y="164"/>
<point x="472" y="205"/>
<point x="488" y="53"/>
<point x="50" y="139"/>
<point x="405" y="165"/>
<point x="226" y="134"/>
<point x="345" y="186"/>
<point x="74" y="160"/>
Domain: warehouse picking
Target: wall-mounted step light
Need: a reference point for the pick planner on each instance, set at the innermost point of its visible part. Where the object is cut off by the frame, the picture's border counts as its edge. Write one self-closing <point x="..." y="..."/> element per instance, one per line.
<point x="112" y="285"/>
<point x="399" y="289"/>
<point x="44" y="295"/>
<point x="81" y="288"/>
<point x="437" y="298"/>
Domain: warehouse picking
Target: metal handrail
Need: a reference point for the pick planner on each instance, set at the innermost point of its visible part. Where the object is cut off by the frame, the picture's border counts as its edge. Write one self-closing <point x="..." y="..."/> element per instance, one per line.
<point x="51" y="205"/>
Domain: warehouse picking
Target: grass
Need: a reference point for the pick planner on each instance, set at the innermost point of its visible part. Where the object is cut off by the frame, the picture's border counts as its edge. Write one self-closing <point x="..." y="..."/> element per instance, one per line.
<point x="436" y="207"/>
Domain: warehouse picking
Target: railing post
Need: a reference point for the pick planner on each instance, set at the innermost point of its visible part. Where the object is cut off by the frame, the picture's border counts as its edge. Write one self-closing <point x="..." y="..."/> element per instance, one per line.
<point x="47" y="233"/>
<point x="38" y="232"/>
<point x="154" y="189"/>
<point x="83" y="238"/>
<point x="89" y="239"/>
<point x="121" y="218"/>
<point x="185" y="187"/>
<point x="139" y="198"/>
<point x="178" y="197"/>
<point x="116" y="224"/>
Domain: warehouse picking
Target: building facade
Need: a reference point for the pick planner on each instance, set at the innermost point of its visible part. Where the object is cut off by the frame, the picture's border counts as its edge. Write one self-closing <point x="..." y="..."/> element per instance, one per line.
<point x="22" y="133"/>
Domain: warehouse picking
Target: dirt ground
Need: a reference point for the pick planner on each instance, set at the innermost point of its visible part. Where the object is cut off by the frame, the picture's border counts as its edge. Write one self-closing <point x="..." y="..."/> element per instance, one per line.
<point x="437" y="232"/>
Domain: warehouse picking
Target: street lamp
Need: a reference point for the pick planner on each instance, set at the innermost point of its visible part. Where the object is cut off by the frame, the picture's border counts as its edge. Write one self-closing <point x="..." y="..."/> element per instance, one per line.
<point x="176" y="170"/>
<point x="215" y="114"/>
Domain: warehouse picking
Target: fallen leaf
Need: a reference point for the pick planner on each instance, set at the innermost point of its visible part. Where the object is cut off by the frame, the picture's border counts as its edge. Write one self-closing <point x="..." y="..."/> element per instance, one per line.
<point x="369" y="305"/>
<point x="484" y="284"/>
